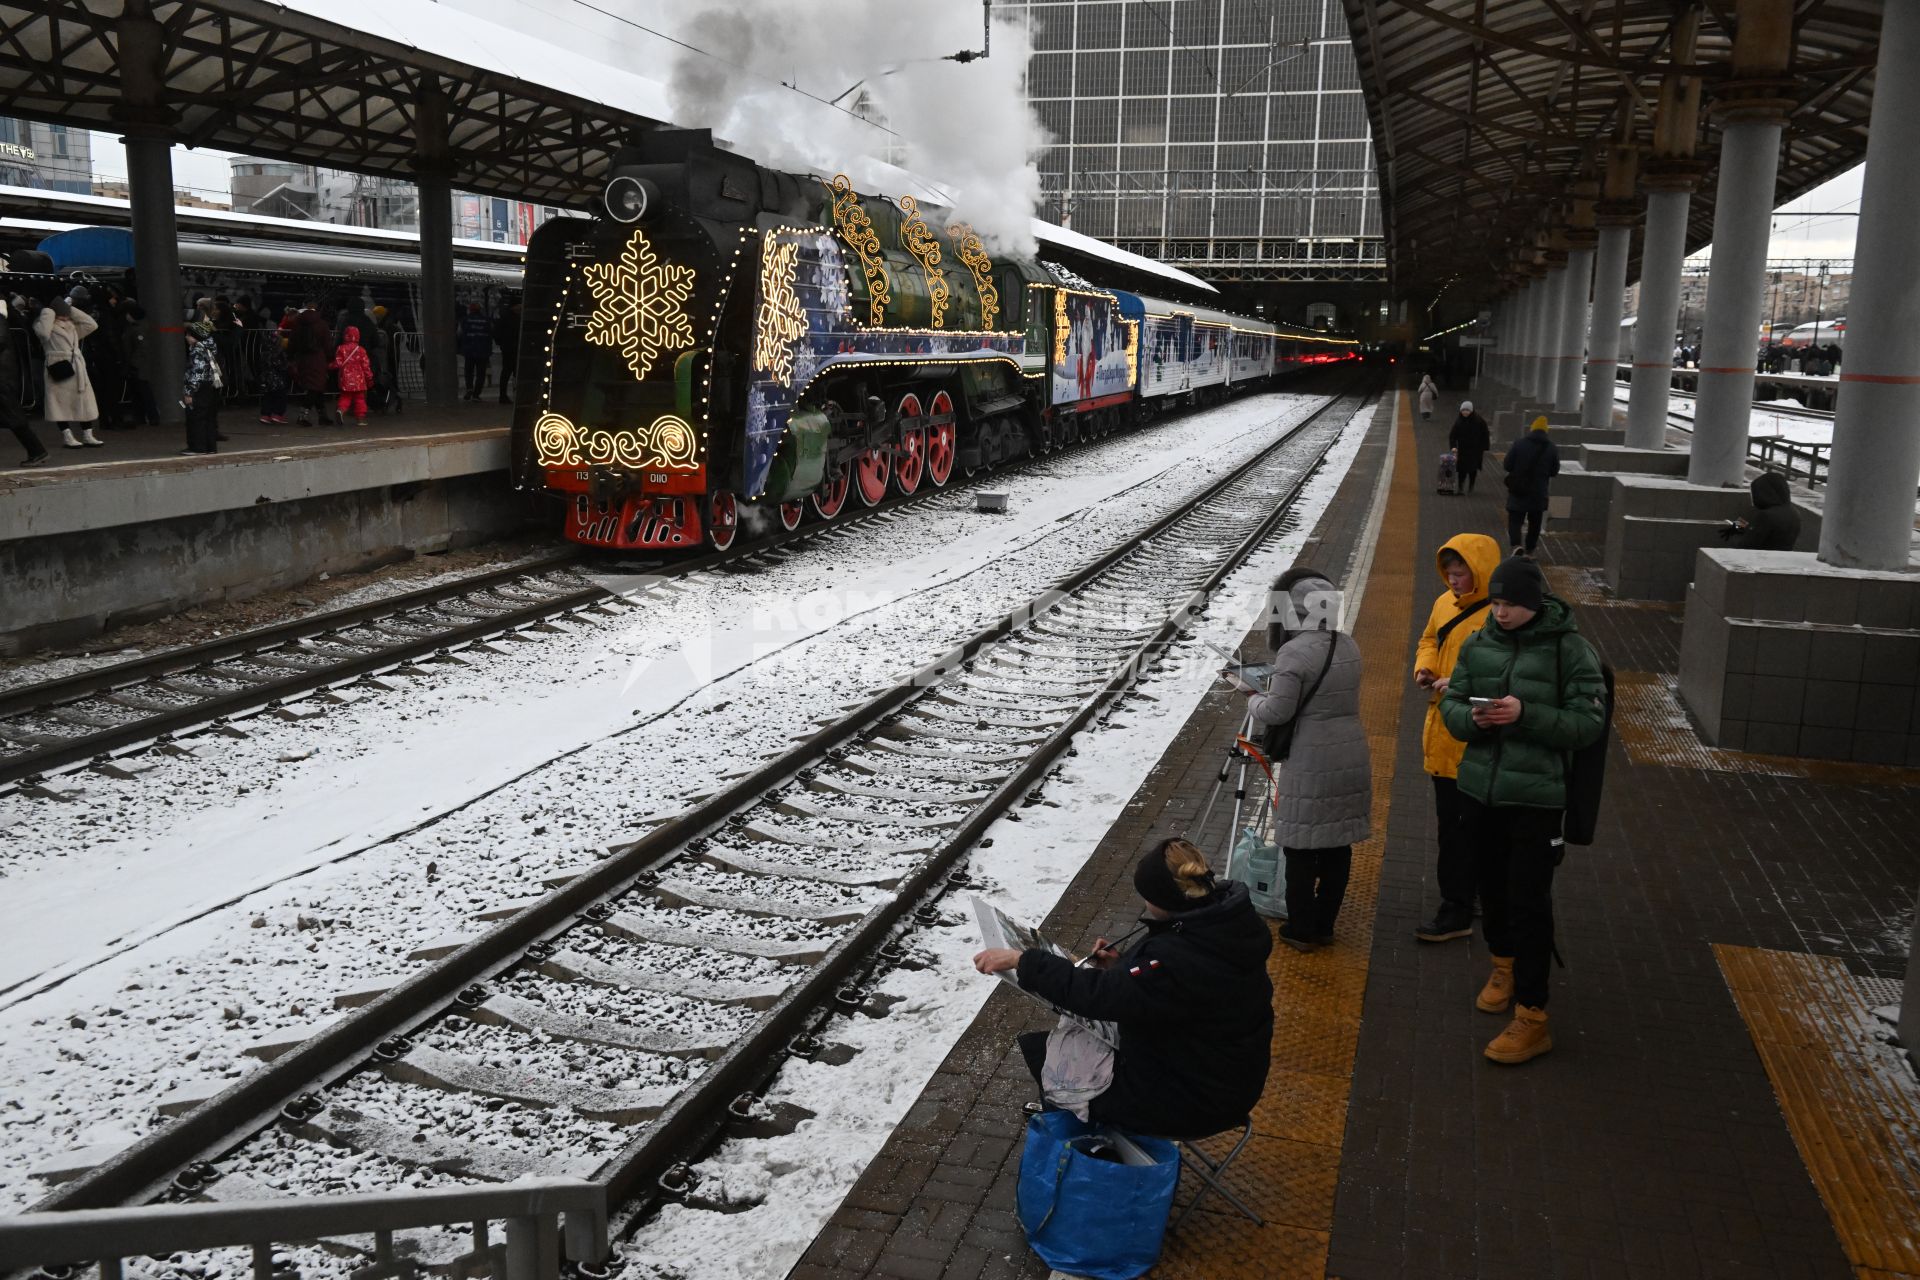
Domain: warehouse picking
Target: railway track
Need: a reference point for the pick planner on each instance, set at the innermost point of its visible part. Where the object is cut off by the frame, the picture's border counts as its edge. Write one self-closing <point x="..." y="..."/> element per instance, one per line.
<point x="618" y="1024"/>
<point x="96" y="719"/>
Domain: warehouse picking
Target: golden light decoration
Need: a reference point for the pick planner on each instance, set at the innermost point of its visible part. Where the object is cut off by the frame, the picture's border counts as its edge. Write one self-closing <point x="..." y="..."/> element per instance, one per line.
<point x="917" y="240"/>
<point x="973" y="256"/>
<point x="668" y="443"/>
<point x="780" y="320"/>
<point x="639" y="304"/>
<point x="856" y="228"/>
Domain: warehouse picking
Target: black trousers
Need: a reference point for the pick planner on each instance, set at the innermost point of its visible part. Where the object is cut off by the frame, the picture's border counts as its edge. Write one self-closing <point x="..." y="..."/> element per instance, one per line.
<point x="1468" y="474"/>
<point x="476" y="375"/>
<point x="1515" y="853"/>
<point x="1316" y="885"/>
<point x="1532" y="520"/>
<point x="1454" y="868"/>
<point x="28" y="441"/>
<point x="203" y="421"/>
<point x="507" y="370"/>
<point x="140" y="397"/>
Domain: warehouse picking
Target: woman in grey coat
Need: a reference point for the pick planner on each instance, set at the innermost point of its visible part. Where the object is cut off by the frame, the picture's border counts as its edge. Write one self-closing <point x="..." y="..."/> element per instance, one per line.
<point x="1323" y="791"/>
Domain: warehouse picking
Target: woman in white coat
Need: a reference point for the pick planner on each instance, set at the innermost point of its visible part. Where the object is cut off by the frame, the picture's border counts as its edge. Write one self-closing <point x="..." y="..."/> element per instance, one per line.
<point x="1427" y="392"/>
<point x="70" y="400"/>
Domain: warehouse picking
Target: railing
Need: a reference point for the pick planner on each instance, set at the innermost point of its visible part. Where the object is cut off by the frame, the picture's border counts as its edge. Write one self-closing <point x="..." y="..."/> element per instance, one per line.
<point x="1792" y="458"/>
<point x="541" y="1217"/>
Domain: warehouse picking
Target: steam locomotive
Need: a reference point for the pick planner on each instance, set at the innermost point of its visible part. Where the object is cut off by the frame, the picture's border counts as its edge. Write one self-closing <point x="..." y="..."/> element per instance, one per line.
<point x="732" y="344"/>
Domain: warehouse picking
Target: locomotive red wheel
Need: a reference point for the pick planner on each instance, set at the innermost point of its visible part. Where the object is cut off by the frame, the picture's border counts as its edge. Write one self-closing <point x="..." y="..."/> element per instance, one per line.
<point x="791" y="513"/>
<point x="723" y="520"/>
<point x="910" y="458"/>
<point x="942" y="442"/>
<point x="910" y="463"/>
<point x="827" y="502"/>
<point x="871" y="468"/>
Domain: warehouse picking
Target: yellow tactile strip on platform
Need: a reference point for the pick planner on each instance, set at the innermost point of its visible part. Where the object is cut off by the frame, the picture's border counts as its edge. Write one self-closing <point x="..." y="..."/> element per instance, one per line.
<point x="1289" y="1171"/>
<point x="1853" y="1107"/>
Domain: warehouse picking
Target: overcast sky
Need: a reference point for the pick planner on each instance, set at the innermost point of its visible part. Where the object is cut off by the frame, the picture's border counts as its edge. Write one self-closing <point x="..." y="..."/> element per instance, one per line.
<point x="617" y="34"/>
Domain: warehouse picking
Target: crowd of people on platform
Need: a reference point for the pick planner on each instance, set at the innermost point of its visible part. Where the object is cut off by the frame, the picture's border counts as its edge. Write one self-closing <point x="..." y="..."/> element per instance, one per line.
<point x="89" y="355"/>
<point x="1820" y="361"/>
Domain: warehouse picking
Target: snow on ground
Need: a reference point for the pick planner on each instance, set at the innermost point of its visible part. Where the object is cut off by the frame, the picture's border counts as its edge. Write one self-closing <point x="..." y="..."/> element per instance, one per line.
<point x="801" y="1178"/>
<point x="1785" y="419"/>
<point x="159" y="925"/>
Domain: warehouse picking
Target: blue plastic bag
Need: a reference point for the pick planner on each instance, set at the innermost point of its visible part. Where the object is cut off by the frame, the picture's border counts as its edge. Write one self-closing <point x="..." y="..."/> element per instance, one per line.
<point x="1255" y="862"/>
<point x="1092" y="1217"/>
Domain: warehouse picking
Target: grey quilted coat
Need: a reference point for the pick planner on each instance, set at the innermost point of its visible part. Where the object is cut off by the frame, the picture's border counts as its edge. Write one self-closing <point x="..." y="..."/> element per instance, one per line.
<point x="1324" y="797"/>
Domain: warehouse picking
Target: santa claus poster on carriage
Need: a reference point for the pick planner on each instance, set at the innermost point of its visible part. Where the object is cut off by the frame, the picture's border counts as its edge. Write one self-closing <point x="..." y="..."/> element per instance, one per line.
<point x="1091" y="358"/>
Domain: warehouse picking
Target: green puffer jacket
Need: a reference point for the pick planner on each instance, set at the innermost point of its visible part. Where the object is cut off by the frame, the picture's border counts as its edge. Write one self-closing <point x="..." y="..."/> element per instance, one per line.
<point x="1556" y="675"/>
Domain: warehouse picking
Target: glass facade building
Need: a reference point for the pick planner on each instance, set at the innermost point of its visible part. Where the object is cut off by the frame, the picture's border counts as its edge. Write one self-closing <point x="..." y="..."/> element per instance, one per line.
<point x="1227" y="137"/>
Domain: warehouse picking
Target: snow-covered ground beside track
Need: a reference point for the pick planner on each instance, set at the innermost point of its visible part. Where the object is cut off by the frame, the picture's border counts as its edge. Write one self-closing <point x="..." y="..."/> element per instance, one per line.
<point x="158" y="926"/>
<point x="800" y="1179"/>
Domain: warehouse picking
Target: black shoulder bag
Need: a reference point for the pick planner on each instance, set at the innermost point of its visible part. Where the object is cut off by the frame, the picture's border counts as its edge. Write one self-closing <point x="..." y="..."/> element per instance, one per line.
<point x="1440" y="636"/>
<point x="1277" y="741"/>
<point x="1586" y="766"/>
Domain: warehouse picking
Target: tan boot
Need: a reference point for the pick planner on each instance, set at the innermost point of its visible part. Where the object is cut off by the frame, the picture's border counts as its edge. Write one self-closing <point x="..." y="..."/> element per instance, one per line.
<point x="1498" y="993"/>
<point x="1525" y="1037"/>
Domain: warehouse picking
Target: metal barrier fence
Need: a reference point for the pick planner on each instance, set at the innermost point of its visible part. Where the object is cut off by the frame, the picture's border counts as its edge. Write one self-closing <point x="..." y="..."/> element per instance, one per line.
<point x="542" y="1217"/>
<point x="1795" y="459"/>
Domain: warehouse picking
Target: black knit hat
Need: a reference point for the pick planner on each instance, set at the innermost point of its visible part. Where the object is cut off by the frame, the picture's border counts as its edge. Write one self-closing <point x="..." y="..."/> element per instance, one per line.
<point x="1156" y="884"/>
<point x="1518" y="581"/>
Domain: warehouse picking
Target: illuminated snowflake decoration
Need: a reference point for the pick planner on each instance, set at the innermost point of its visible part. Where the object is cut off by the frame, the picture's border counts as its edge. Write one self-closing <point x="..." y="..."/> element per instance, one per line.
<point x="781" y="320"/>
<point x="639" y="305"/>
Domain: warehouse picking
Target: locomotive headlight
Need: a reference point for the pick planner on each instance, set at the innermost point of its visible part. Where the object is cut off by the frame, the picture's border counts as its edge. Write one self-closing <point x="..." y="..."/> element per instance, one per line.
<point x="628" y="198"/>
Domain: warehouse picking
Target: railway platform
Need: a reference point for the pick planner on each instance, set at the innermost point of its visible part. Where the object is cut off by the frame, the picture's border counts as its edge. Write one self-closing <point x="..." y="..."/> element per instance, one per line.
<point x="134" y="531"/>
<point x="1721" y="1099"/>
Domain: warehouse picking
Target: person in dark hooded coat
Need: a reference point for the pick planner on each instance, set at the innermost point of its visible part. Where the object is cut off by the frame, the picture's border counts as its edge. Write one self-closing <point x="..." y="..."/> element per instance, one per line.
<point x="1469" y="439"/>
<point x="1774" y="524"/>
<point x="1192" y="1001"/>
<point x="1532" y="462"/>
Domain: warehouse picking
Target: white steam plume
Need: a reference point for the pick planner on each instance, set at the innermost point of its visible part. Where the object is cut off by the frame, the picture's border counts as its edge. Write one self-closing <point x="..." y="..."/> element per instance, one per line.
<point x="965" y="127"/>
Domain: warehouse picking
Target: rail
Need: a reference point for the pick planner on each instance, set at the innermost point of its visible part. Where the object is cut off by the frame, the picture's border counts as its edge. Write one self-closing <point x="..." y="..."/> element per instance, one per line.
<point x="542" y="1218"/>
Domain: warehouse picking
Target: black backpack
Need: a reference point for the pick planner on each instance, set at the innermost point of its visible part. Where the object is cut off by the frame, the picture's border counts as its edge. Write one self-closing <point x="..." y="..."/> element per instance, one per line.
<point x="1586" y="766"/>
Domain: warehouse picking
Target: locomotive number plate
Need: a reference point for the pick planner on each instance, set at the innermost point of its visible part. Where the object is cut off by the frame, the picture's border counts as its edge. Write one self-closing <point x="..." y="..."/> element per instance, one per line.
<point x="658" y="477"/>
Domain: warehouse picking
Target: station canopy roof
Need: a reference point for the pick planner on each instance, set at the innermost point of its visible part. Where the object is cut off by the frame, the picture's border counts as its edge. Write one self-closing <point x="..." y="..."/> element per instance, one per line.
<point x="333" y="83"/>
<point x="1484" y="111"/>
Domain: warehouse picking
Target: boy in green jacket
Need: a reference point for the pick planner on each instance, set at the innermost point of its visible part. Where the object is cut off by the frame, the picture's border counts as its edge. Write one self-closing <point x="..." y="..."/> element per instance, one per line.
<point x="1526" y="691"/>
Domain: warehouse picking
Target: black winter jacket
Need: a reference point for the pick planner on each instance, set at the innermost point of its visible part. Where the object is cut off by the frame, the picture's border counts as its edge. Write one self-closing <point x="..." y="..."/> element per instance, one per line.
<point x="1773" y="524"/>
<point x="1536" y="461"/>
<point x="1470" y="440"/>
<point x="1195" y="1011"/>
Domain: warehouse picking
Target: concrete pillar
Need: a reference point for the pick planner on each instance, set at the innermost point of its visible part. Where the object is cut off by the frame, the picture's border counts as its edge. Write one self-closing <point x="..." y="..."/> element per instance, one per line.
<point x="1868" y="522"/>
<point x="1661" y="257"/>
<point x="1573" y="330"/>
<point x="1736" y="301"/>
<point x="432" y="166"/>
<point x="1603" y="332"/>
<point x="1546" y="335"/>
<point x="156" y="238"/>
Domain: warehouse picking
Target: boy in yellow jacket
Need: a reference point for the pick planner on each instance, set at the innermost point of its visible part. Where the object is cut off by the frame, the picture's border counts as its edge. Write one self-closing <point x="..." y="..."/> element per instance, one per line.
<point x="1466" y="563"/>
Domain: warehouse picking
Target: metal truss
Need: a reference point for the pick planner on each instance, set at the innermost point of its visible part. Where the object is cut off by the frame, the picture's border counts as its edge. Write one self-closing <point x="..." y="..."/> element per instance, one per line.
<point x="253" y="77"/>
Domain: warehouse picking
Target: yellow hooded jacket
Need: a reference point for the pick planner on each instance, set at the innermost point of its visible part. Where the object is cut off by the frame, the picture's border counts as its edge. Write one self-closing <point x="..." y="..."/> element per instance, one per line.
<point x="1440" y="749"/>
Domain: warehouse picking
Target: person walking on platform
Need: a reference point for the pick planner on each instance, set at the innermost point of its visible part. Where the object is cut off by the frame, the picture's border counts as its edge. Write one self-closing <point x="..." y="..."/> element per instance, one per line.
<point x="476" y="348"/>
<point x="201" y="392"/>
<point x="71" y="404"/>
<point x="1426" y="393"/>
<point x="276" y="379"/>
<point x="506" y="336"/>
<point x="13" y="414"/>
<point x="1466" y="564"/>
<point x="1526" y="691"/>
<point x="1323" y="779"/>
<point x="310" y="349"/>
<point x="379" y="344"/>
<point x="1532" y="463"/>
<point x="134" y="349"/>
<point x="1469" y="439"/>
<point x="356" y="375"/>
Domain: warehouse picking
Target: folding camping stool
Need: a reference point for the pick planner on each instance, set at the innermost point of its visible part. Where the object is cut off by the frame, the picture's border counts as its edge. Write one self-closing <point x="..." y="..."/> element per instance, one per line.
<point x="1213" y="1173"/>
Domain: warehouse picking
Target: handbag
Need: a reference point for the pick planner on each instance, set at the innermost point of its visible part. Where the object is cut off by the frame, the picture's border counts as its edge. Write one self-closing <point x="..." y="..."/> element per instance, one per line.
<point x="1087" y="1210"/>
<point x="1277" y="741"/>
<point x="60" y="370"/>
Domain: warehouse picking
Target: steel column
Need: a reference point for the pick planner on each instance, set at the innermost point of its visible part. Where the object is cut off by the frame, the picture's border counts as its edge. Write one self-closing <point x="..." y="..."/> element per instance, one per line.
<point x="1603" y="334"/>
<point x="1660" y="262"/>
<point x="1868" y="522"/>
<point x="1546" y="335"/>
<point x="1736" y="288"/>
<point x="1573" y="330"/>
<point x="141" y="62"/>
<point x="437" y="319"/>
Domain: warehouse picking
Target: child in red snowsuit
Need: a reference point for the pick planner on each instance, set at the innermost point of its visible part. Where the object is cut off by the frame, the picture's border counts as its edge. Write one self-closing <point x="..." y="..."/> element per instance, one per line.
<point x="356" y="375"/>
